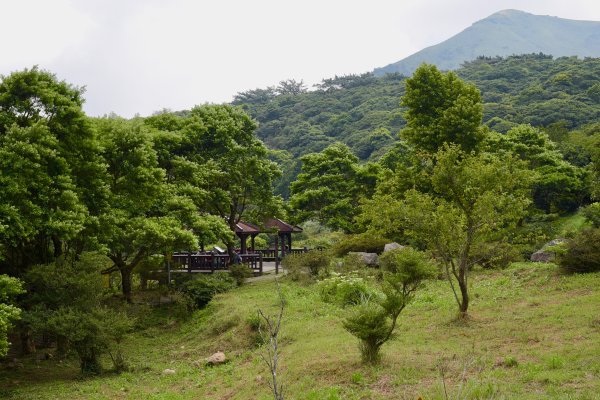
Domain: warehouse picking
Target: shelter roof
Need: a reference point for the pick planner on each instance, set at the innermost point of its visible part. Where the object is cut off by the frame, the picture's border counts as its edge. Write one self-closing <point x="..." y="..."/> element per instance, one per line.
<point x="281" y="226"/>
<point x="271" y="224"/>
<point x="247" y="228"/>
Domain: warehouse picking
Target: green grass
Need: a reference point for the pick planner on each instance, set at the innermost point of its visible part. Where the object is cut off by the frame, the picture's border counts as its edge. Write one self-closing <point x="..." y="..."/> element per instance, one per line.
<point x="567" y="225"/>
<point x="533" y="334"/>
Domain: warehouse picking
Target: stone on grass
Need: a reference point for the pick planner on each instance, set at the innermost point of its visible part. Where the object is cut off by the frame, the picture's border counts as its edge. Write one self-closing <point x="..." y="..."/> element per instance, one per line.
<point x="168" y="371"/>
<point x="369" y="259"/>
<point x="546" y="254"/>
<point x="216" y="359"/>
<point x="392" y="246"/>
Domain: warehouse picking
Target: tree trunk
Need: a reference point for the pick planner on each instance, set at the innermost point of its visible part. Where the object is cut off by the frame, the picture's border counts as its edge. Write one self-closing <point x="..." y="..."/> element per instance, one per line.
<point x="126" y="270"/>
<point x="62" y="345"/>
<point x="27" y="342"/>
<point x="126" y="281"/>
<point x="58" y="246"/>
<point x="464" y="304"/>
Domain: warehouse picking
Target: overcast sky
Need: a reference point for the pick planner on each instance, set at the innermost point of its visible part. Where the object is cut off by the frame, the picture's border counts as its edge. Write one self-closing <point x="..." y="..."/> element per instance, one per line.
<point x="140" y="56"/>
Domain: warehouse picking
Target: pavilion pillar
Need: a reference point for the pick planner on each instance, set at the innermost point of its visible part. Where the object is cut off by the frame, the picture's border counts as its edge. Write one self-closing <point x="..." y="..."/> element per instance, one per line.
<point x="276" y="254"/>
<point x="243" y="239"/>
<point x="252" y="242"/>
<point x="289" y="236"/>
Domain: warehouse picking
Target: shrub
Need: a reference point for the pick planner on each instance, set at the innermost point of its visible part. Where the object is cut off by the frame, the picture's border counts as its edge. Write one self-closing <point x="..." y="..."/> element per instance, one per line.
<point x="240" y="272"/>
<point x="362" y="243"/>
<point x="369" y="322"/>
<point x="352" y="262"/>
<point x="344" y="290"/>
<point x="510" y="362"/>
<point x="374" y="321"/>
<point x="66" y="303"/>
<point x="582" y="253"/>
<point x="91" y="333"/>
<point x="592" y="214"/>
<point x="203" y="288"/>
<point x="309" y="264"/>
<point x="9" y="288"/>
<point x="497" y="255"/>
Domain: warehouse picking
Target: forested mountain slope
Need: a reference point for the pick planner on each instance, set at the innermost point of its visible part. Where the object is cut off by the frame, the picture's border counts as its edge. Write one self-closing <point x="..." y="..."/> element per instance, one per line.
<point x="506" y="33"/>
<point x="364" y="112"/>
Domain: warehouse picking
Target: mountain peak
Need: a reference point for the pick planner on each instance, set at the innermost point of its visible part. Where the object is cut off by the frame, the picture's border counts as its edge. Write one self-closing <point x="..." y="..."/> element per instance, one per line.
<point x="505" y="33"/>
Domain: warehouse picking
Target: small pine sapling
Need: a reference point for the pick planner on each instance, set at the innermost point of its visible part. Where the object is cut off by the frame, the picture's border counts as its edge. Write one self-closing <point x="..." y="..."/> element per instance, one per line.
<point x="373" y="322"/>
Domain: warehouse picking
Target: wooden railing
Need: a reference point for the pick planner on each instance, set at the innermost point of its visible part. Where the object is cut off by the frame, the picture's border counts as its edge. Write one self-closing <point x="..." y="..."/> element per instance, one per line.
<point x="192" y="262"/>
<point x="269" y="254"/>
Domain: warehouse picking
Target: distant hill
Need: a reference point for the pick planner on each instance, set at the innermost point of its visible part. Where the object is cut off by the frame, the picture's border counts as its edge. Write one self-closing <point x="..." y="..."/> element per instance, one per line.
<point x="506" y="33"/>
<point x="364" y="111"/>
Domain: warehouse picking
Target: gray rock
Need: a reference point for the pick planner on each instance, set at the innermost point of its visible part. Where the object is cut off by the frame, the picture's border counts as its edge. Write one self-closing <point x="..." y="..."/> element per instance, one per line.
<point x="546" y="253"/>
<point x="543" y="256"/>
<point x="168" y="371"/>
<point x="370" y="259"/>
<point x="217" y="358"/>
<point x="392" y="246"/>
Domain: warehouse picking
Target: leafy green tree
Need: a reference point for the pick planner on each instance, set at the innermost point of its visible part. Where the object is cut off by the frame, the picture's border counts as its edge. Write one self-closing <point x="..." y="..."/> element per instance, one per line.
<point x="52" y="185"/>
<point x="9" y="288"/>
<point x="240" y="184"/>
<point x="142" y="217"/>
<point x="291" y="87"/>
<point x="441" y="108"/>
<point x="330" y="186"/>
<point x="374" y="321"/>
<point x="214" y="157"/>
<point x="559" y="186"/>
<point x="477" y="199"/>
<point x="38" y="201"/>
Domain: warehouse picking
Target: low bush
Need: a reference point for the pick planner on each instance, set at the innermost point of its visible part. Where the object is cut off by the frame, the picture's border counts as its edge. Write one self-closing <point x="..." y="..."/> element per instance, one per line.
<point x="359" y="243"/>
<point x="203" y="288"/>
<point x="582" y="253"/>
<point x="497" y="255"/>
<point x="344" y="290"/>
<point x="592" y="214"/>
<point x="307" y="265"/>
<point x="373" y="322"/>
<point x="240" y="272"/>
<point x="66" y="303"/>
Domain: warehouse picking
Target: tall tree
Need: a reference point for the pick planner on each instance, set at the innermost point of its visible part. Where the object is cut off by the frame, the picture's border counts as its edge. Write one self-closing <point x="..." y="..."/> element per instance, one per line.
<point x="39" y="205"/>
<point x="477" y="200"/>
<point x="559" y="185"/>
<point x="441" y="108"/>
<point x="138" y="221"/>
<point x="231" y="173"/>
<point x="330" y="186"/>
<point x="53" y="178"/>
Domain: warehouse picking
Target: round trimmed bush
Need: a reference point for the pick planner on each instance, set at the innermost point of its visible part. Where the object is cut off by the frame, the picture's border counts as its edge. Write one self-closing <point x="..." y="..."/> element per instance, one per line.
<point x="582" y="253"/>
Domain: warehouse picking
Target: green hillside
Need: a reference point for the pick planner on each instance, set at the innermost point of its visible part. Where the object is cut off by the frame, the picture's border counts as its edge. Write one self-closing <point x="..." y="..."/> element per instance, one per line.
<point x="506" y="33"/>
<point x="534" y="334"/>
<point x="363" y="111"/>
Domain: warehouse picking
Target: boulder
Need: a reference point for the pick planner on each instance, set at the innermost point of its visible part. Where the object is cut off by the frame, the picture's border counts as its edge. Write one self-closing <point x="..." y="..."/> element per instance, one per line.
<point x="370" y="259"/>
<point x="546" y="253"/>
<point x="217" y="358"/>
<point x="168" y="371"/>
<point x="392" y="246"/>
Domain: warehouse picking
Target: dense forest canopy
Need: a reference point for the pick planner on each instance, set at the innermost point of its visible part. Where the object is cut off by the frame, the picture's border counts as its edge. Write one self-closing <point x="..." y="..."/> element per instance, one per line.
<point x="364" y="111"/>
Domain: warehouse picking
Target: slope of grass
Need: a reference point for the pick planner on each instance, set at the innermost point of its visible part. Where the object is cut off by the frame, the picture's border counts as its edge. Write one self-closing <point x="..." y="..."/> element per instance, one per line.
<point x="533" y="334"/>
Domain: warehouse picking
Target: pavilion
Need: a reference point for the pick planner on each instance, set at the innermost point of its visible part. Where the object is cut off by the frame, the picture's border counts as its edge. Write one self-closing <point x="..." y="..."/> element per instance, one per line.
<point x="284" y="231"/>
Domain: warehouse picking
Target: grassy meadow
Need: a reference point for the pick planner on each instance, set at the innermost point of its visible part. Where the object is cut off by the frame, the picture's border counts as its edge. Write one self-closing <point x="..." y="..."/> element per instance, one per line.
<point x="534" y="333"/>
